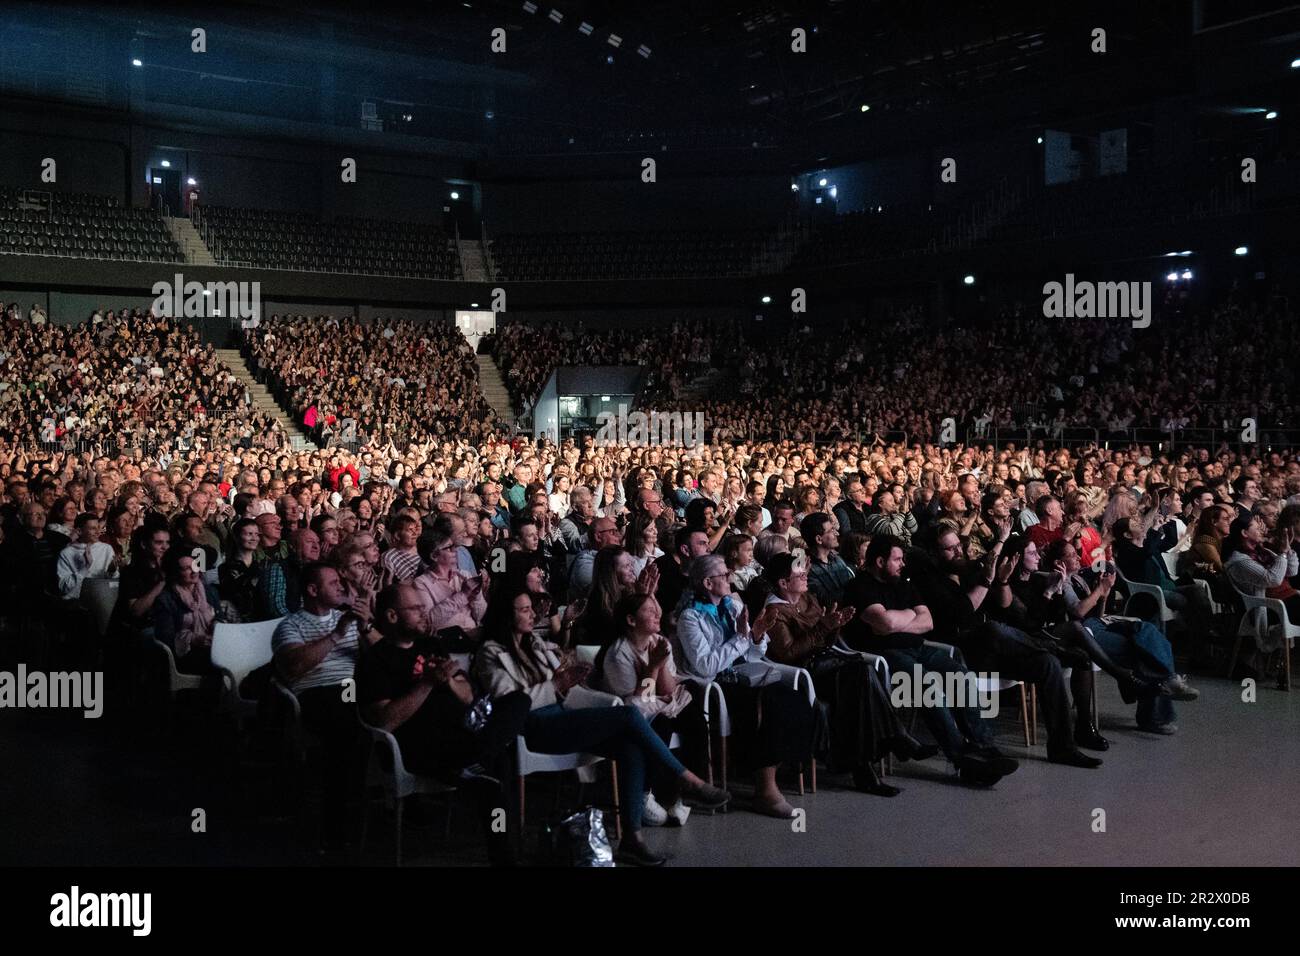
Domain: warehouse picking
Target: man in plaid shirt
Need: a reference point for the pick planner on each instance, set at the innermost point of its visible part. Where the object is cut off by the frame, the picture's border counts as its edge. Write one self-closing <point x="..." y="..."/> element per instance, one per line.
<point x="828" y="574"/>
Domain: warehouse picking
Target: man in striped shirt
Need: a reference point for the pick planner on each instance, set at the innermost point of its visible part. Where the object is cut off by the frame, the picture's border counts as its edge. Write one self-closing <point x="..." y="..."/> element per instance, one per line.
<point x="315" y="652"/>
<point x="402" y="560"/>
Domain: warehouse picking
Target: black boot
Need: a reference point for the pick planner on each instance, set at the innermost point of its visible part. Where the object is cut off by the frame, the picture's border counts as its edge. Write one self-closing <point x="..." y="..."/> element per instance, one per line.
<point x="866" y="780"/>
<point x="1087" y="736"/>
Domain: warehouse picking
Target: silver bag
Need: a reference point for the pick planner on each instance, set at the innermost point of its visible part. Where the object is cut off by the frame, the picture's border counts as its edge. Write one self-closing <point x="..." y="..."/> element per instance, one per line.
<point x="581" y="840"/>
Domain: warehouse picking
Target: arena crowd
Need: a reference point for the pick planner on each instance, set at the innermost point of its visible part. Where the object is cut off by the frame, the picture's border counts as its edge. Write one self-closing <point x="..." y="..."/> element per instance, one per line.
<point x="479" y="586"/>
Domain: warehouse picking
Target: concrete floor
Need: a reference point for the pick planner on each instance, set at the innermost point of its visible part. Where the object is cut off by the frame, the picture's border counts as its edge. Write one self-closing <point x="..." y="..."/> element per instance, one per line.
<point x="1220" y="792"/>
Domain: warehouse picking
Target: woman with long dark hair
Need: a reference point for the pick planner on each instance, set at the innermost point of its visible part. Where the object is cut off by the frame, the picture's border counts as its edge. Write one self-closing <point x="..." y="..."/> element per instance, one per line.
<point x="142" y="581"/>
<point x="237" y="577"/>
<point x="612" y="579"/>
<point x="513" y="659"/>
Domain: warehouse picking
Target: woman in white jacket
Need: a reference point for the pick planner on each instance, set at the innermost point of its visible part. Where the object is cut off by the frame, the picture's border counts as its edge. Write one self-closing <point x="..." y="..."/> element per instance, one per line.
<point x="715" y="636"/>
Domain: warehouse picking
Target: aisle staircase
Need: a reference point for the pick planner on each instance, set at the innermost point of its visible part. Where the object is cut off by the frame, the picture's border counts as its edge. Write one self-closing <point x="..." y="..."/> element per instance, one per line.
<point x="188" y="238"/>
<point x="264" y="402"/>
<point x="494" y="388"/>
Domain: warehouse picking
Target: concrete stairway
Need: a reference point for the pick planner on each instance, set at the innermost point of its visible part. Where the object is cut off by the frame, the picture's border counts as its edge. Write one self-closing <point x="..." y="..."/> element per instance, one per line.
<point x="472" y="262"/>
<point x="187" y="237"/>
<point x="494" y="388"/>
<point x="264" y="402"/>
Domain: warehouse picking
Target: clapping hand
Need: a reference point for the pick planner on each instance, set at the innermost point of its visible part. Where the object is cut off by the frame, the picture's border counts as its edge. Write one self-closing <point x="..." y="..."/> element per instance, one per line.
<point x="660" y="651"/>
<point x="648" y="582"/>
<point x="834" y="618"/>
<point x="1007" y="567"/>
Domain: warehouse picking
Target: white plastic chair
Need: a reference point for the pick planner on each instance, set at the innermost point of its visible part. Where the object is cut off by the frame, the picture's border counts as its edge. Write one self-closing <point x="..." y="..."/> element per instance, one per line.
<point x="1255" y="622"/>
<point x="528" y="763"/>
<point x="718" y="720"/>
<point x="99" y="596"/>
<point x="237" y="651"/>
<point x="176" y="681"/>
<point x="987" y="685"/>
<point x="1152" y="590"/>
<point x="386" y="770"/>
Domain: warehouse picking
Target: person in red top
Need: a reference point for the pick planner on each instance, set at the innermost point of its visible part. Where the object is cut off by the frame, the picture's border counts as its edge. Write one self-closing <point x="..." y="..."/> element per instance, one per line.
<point x="336" y="473"/>
<point x="1051" y="520"/>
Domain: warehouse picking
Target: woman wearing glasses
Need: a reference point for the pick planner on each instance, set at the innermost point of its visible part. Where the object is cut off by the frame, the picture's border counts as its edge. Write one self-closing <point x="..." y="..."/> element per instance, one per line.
<point x="715" y="635"/>
<point x="458" y="599"/>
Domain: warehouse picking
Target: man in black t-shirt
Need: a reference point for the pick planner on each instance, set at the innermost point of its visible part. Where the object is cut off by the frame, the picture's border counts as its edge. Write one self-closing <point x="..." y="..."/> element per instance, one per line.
<point x="409" y="687"/>
<point x="893" y="621"/>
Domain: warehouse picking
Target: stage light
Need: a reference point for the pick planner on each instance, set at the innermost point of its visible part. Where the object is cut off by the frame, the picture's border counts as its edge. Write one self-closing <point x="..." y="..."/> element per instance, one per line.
<point x="1169" y="255"/>
<point x="489" y="115"/>
<point x="157" y="180"/>
<point x="556" y="16"/>
<point x="166" y="164"/>
<point x="969" y="280"/>
<point x="821" y="182"/>
<point x="794" y="187"/>
<point x="610" y="59"/>
<point x="1295" y="64"/>
<point x="1271" y="114"/>
<point x="1172" y="277"/>
<point x="455" y="195"/>
<point x="767" y="299"/>
<point x="585" y="28"/>
<point x="1040" y="141"/>
<point x="529" y="7"/>
<point x="864" y="108"/>
<point x="137" y="63"/>
<point x="191" y="181"/>
<point x="818" y="200"/>
<point x="644" y="51"/>
<point x="615" y="40"/>
<point x="1187" y="273"/>
<point x="835" y="191"/>
<point x="1240" y="251"/>
<point x="1185" y="253"/>
<point x="473" y="305"/>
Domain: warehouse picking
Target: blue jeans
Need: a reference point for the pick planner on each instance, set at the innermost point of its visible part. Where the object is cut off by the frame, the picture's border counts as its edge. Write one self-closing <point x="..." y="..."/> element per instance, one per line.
<point x="617" y="733"/>
<point x="1149" y="653"/>
<point x="942" y="721"/>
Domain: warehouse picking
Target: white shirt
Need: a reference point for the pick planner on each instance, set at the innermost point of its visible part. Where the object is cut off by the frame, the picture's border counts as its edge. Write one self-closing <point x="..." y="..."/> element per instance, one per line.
<point x="77" y="562"/>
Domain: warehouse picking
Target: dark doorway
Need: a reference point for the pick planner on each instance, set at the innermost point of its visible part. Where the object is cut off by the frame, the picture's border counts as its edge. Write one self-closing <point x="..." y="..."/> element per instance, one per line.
<point x="165" y="191"/>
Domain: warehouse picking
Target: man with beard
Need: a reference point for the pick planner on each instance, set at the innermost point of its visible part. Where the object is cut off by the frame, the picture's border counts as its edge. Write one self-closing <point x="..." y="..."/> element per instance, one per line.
<point x="955" y="590"/>
<point x="893" y="621"/>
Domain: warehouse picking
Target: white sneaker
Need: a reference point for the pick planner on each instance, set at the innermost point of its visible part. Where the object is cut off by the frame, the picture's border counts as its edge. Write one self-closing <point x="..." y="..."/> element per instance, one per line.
<point x="654" y="815"/>
<point x="678" y="813"/>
